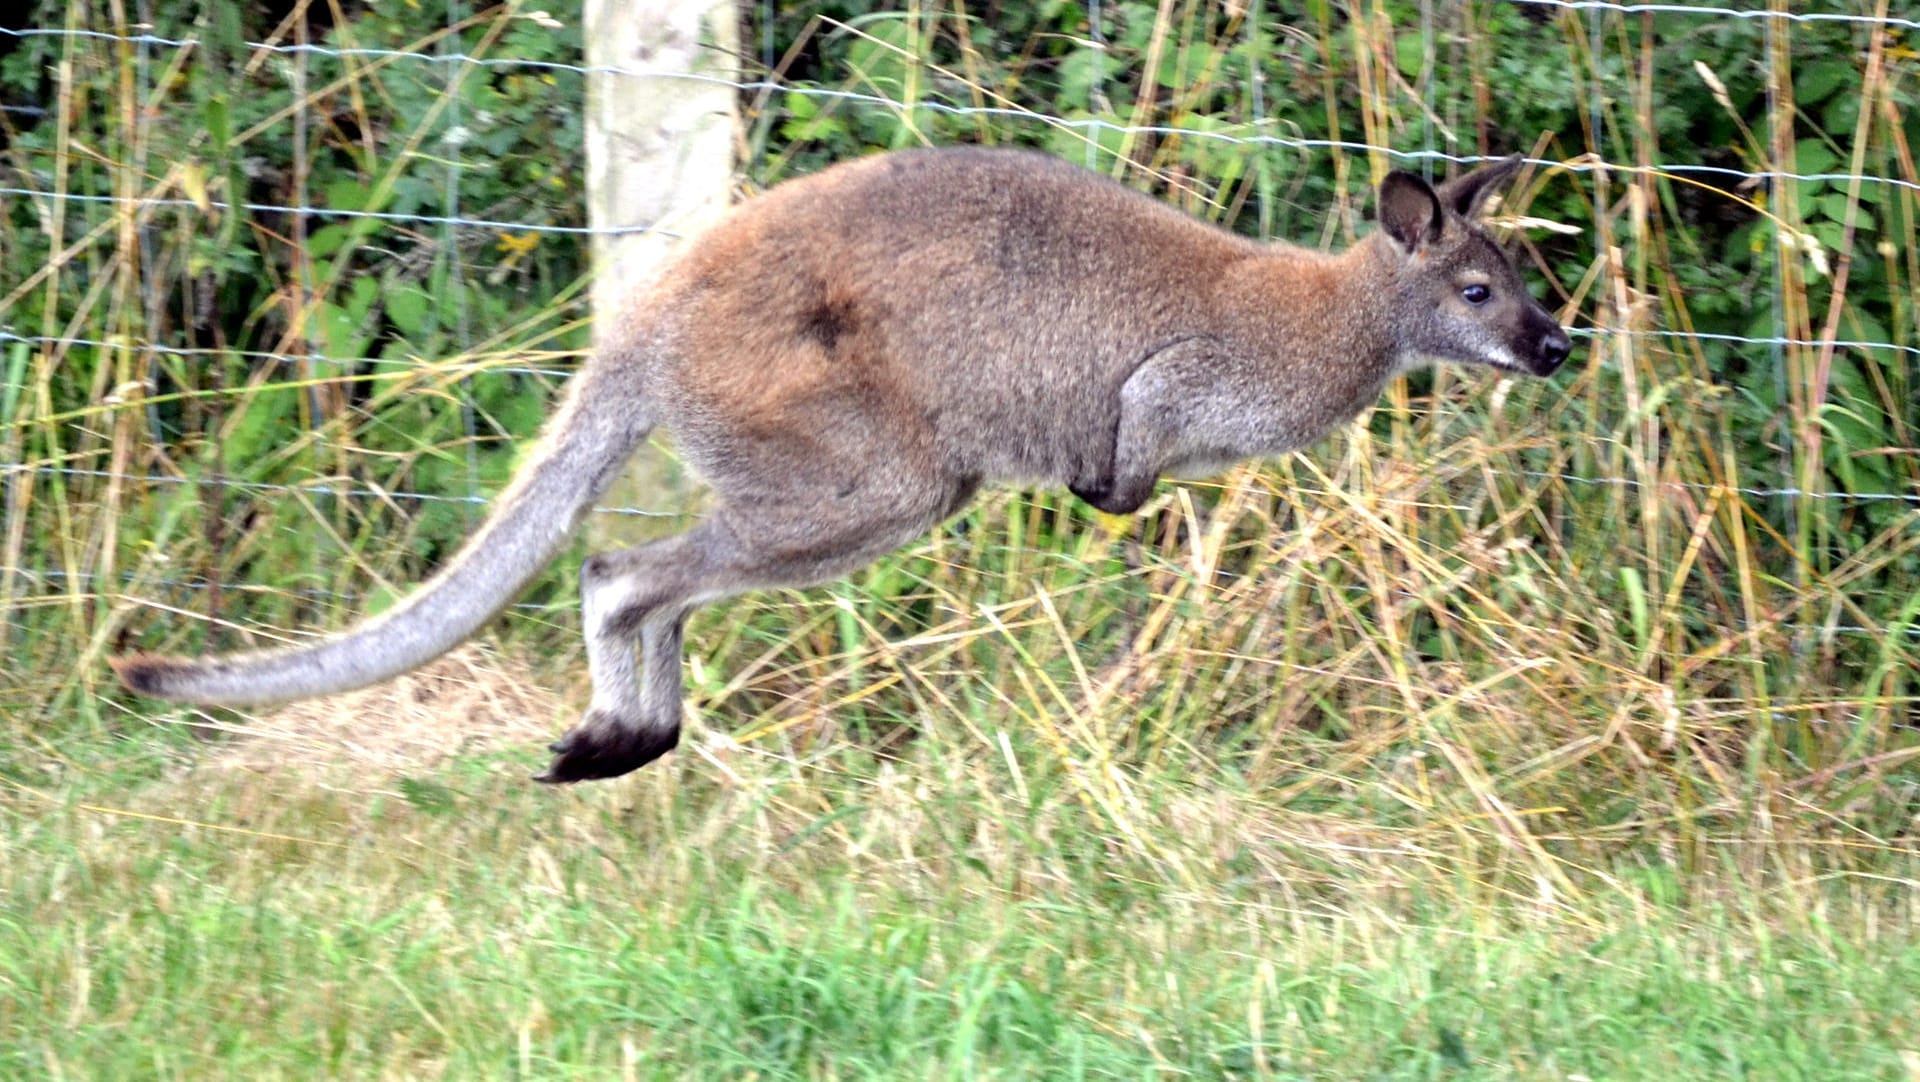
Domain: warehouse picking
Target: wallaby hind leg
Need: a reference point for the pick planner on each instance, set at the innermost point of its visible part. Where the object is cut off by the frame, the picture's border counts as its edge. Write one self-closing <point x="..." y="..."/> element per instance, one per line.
<point x="632" y="726"/>
<point x="649" y="590"/>
<point x="645" y="591"/>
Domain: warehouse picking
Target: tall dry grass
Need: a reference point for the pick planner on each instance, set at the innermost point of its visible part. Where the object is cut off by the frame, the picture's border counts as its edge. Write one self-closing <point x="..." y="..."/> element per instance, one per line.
<point x="1529" y="637"/>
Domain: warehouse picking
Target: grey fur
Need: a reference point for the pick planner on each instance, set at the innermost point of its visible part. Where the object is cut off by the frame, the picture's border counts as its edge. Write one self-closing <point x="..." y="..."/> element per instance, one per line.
<point x="847" y="358"/>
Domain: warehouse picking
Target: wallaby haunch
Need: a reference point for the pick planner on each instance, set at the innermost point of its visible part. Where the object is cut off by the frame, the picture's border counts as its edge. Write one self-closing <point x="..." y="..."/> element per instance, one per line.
<point x="849" y="357"/>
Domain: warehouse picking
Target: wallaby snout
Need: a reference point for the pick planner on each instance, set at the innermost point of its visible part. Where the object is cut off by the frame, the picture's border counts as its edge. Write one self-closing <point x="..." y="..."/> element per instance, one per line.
<point x="1552" y="351"/>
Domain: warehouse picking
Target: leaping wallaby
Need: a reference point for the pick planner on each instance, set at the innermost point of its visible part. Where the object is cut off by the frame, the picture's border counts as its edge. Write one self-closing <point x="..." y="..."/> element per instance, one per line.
<point x="847" y="358"/>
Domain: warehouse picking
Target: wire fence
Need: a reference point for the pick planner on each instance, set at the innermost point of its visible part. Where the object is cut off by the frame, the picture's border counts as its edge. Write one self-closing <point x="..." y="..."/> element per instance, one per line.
<point x="158" y="54"/>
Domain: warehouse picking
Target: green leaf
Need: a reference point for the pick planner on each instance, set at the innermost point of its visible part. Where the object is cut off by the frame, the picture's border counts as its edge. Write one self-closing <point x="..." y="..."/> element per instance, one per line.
<point x="343" y="333"/>
<point x="1815" y="82"/>
<point x="1079" y="72"/>
<point x="346" y="195"/>
<point x="219" y="122"/>
<point x="1636" y="604"/>
<point x="410" y="309"/>
<point x="1410" y="53"/>
<point x="1809" y="193"/>
<point x="1812" y="156"/>
<point x="325" y="240"/>
<point x="361" y="295"/>
<point x="257" y="429"/>
<point x="1841" y="113"/>
<point x="1854" y="452"/>
<point x="1834" y="205"/>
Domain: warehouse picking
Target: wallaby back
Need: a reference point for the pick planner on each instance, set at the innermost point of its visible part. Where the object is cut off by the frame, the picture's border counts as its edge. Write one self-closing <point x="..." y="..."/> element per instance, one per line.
<point x="991" y="304"/>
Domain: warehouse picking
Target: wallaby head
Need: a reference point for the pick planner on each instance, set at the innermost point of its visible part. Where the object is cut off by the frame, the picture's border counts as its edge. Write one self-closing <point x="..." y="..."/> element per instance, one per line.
<point x="1458" y="296"/>
<point x="849" y="357"/>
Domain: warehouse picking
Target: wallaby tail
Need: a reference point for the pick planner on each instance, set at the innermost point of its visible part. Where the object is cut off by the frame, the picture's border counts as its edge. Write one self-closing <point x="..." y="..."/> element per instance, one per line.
<point x="583" y="449"/>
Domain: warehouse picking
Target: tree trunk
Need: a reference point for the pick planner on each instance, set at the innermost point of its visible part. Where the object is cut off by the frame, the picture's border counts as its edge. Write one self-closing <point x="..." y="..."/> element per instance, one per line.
<point x="660" y="141"/>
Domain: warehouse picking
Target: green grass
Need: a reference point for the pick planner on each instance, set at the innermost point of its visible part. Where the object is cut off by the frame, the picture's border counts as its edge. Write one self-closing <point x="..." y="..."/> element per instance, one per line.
<point x="873" y="925"/>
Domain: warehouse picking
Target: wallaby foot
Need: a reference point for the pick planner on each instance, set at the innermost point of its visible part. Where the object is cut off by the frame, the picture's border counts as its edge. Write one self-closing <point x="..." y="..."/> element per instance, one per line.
<point x="604" y="746"/>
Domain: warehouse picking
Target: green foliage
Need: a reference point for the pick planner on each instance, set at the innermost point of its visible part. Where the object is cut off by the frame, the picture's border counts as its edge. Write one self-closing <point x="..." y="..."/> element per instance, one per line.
<point x="375" y="296"/>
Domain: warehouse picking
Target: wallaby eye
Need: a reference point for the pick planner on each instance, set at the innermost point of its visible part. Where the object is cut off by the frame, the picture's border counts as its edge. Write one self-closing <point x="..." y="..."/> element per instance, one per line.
<point x="1476" y="294"/>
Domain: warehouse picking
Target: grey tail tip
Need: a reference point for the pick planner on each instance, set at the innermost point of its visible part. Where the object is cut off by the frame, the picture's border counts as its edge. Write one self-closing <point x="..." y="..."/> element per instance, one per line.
<point x="146" y="674"/>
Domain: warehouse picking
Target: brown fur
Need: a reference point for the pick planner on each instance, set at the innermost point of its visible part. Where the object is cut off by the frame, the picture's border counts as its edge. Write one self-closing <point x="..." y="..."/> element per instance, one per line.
<point x="848" y="357"/>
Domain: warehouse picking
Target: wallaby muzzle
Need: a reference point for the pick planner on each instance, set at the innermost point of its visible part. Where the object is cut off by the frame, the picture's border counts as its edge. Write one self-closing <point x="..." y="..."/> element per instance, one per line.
<point x="1552" y="347"/>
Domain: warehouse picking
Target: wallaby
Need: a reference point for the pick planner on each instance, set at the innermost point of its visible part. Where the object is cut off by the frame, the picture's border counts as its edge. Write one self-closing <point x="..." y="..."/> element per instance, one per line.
<point x="847" y="358"/>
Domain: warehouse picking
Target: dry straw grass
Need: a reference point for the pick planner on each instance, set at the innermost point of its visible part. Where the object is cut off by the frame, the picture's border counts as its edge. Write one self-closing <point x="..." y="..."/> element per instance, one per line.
<point x="470" y="702"/>
<point x="1424" y="642"/>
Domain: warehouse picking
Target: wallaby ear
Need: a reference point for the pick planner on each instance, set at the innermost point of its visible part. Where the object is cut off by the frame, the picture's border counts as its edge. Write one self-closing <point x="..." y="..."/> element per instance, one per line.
<point x="1409" y="210"/>
<point x="1466" y="195"/>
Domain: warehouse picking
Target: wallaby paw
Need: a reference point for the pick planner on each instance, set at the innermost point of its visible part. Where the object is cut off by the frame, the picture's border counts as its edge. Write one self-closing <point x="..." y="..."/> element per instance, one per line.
<point x="603" y="746"/>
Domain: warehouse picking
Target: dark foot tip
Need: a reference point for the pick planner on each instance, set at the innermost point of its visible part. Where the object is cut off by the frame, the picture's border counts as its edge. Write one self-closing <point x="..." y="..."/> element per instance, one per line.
<point x="1107" y="499"/>
<point x="1092" y="494"/>
<point x="146" y="674"/>
<point x="600" y="747"/>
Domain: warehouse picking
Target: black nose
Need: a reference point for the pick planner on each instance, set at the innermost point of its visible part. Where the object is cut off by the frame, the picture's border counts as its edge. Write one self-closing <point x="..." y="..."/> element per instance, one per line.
<point x="1553" y="349"/>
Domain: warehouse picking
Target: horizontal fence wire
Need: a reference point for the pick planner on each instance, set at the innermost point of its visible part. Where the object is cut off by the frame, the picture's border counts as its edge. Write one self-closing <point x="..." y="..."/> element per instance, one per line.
<point x="44" y="341"/>
<point x="145" y="202"/>
<point x="61" y="341"/>
<point x="344" y="491"/>
<point x="87" y="582"/>
<point x="1257" y="139"/>
<point x="1246" y="135"/>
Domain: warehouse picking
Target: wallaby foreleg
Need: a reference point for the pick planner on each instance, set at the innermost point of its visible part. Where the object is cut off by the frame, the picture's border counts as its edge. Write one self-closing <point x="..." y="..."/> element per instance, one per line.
<point x="1177" y="407"/>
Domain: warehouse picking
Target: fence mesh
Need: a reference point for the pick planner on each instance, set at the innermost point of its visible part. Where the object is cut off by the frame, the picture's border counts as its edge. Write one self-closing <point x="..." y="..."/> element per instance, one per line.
<point x="180" y="393"/>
